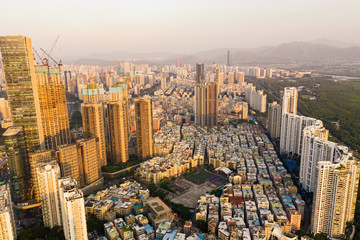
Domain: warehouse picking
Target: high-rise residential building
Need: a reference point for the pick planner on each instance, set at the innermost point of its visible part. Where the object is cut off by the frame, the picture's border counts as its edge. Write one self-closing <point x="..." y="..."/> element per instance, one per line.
<point x="48" y="175"/>
<point x="67" y="80"/>
<point x="163" y="83"/>
<point x="315" y="148"/>
<point x="53" y="107"/>
<point x="93" y="124"/>
<point x="229" y="59"/>
<point x="256" y="99"/>
<point x="4" y="109"/>
<point x="120" y="92"/>
<point x="274" y="119"/>
<point x="335" y="195"/>
<point x="15" y="149"/>
<point x="118" y="131"/>
<point x="240" y="77"/>
<point x="22" y="89"/>
<point x="144" y="127"/>
<point x="93" y="94"/>
<point x="291" y="132"/>
<point x="206" y="104"/>
<point x="231" y="77"/>
<point x="217" y="75"/>
<point x="200" y="73"/>
<point x="89" y="155"/>
<point x="72" y="210"/>
<point x="36" y="158"/>
<point x="290" y="99"/>
<point x="69" y="158"/>
<point x="7" y="222"/>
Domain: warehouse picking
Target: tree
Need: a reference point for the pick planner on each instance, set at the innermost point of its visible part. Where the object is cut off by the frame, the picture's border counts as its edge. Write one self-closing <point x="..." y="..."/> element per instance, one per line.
<point x="202" y="225"/>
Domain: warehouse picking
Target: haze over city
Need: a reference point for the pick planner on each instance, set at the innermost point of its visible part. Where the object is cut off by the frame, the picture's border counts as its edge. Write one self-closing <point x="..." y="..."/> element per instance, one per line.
<point x="180" y="120"/>
<point x="182" y="27"/>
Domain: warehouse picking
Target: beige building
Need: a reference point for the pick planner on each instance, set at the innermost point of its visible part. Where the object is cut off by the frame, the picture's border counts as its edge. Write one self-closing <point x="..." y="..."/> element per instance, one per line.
<point x="144" y="127"/>
<point x="163" y="83"/>
<point x="22" y="89"/>
<point x="206" y="104"/>
<point x="290" y="99"/>
<point x="53" y="107"/>
<point x="93" y="125"/>
<point x="231" y="77"/>
<point x="72" y="210"/>
<point x="48" y="175"/>
<point x="4" y="109"/>
<point x="38" y="157"/>
<point x="118" y="131"/>
<point x="335" y="195"/>
<point x="69" y="158"/>
<point x="7" y="222"/>
<point x="89" y="160"/>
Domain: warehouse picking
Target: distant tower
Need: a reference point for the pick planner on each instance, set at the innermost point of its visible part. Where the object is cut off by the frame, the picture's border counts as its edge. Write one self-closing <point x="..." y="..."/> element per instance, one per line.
<point x="229" y="63"/>
<point x="200" y="76"/>
<point x="178" y="62"/>
<point x="144" y="127"/>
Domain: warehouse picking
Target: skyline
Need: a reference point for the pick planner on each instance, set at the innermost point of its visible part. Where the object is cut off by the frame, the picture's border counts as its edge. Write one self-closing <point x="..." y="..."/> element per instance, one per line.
<point x="86" y="28"/>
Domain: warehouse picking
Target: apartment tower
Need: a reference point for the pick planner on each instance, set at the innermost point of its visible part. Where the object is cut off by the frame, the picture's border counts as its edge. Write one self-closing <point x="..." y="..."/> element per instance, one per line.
<point x="7" y="222"/>
<point x="118" y="131"/>
<point x="48" y="175"/>
<point x="144" y="127"/>
<point x="93" y="125"/>
<point x="335" y="195"/>
<point x="72" y="210"/>
<point x="274" y="119"/>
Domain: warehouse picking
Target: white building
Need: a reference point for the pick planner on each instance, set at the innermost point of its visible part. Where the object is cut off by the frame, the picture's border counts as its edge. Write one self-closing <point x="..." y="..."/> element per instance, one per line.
<point x="315" y="148"/>
<point x="48" y="176"/>
<point x="256" y="99"/>
<point x="291" y="134"/>
<point x="290" y="99"/>
<point x="335" y="195"/>
<point x="72" y="210"/>
<point x="7" y="223"/>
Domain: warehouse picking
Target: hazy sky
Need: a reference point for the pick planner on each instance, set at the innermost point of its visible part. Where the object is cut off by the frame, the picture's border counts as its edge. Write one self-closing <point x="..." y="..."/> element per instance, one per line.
<point x="88" y="26"/>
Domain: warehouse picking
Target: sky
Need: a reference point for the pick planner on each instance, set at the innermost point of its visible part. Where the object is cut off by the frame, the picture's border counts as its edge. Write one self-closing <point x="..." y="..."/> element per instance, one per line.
<point x="88" y="26"/>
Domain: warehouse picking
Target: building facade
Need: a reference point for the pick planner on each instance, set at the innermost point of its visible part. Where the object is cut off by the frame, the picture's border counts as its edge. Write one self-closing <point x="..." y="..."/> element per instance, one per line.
<point x="72" y="210"/>
<point x="48" y="175"/>
<point x="93" y="125"/>
<point x="290" y="99"/>
<point x="118" y="131"/>
<point x="335" y="195"/>
<point x="274" y="119"/>
<point x="7" y="222"/>
<point x="22" y="89"/>
<point x="144" y="127"/>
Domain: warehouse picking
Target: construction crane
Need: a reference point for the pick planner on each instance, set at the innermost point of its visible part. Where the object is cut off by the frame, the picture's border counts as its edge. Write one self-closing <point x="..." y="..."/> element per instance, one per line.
<point x="53" y="46"/>
<point x="56" y="62"/>
<point x="38" y="55"/>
